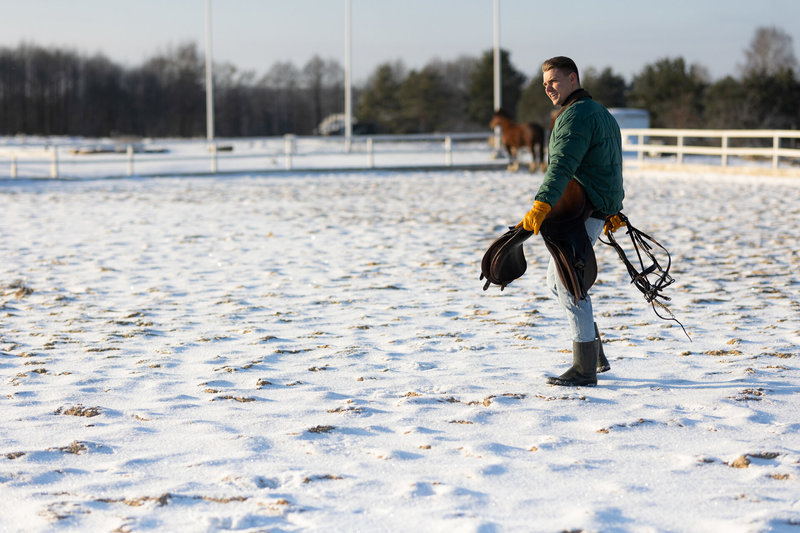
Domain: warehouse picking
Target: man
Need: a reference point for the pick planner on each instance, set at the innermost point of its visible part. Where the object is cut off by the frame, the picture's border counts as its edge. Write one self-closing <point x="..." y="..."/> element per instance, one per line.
<point x="585" y="145"/>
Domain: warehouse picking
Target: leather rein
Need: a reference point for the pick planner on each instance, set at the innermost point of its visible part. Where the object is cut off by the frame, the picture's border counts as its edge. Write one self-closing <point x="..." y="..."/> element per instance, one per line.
<point x="652" y="291"/>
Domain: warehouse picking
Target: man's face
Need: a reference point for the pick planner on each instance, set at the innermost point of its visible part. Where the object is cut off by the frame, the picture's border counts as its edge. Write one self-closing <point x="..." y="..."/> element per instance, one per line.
<point x="559" y="84"/>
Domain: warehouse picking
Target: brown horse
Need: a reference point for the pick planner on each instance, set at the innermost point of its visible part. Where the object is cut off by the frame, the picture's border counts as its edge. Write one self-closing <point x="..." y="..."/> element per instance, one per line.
<point x="516" y="136"/>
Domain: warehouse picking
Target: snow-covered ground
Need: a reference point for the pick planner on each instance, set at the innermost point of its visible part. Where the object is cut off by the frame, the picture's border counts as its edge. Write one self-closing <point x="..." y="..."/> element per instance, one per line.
<point x="316" y="352"/>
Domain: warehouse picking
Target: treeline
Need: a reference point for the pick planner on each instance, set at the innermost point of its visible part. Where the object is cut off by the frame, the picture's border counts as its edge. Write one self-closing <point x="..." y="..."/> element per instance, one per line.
<point x="57" y="92"/>
<point x="61" y="92"/>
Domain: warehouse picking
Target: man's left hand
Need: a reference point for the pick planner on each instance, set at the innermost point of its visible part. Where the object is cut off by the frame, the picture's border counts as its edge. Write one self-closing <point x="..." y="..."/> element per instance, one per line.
<point x="613" y="223"/>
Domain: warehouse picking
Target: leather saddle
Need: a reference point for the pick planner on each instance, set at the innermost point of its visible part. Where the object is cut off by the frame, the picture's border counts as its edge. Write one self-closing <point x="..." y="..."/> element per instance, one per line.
<point x="564" y="234"/>
<point x="565" y="237"/>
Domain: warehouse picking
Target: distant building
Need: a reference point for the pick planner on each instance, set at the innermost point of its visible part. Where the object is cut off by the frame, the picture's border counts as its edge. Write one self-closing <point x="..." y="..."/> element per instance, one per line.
<point x="630" y="118"/>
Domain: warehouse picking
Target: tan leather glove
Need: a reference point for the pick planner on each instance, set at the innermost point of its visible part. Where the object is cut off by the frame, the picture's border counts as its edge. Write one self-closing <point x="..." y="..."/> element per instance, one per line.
<point x="533" y="220"/>
<point x="613" y="223"/>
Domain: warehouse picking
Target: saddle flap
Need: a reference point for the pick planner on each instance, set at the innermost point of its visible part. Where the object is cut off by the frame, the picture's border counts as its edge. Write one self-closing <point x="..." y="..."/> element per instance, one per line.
<point x="575" y="261"/>
<point x="564" y="234"/>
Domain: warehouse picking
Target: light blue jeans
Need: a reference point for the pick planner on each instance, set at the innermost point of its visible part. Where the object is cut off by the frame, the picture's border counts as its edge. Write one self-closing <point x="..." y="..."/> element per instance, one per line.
<point x="580" y="317"/>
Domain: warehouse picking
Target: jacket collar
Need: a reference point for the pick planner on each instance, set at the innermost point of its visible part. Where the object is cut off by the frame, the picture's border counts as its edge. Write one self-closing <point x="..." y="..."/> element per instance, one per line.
<point x="577" y="94"/>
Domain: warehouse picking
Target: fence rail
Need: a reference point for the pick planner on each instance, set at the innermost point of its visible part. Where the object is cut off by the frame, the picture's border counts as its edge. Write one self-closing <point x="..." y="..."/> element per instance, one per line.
<point x="724" y="148"/>
<point x="758" y="150"/>
<point x="54" y="158"/>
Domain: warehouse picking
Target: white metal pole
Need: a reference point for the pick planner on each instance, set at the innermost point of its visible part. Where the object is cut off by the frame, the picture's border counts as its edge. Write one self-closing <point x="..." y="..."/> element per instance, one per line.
<point x="348" y="106"/>
<point x="209" y="77"/>
<point x="498" y="97"/>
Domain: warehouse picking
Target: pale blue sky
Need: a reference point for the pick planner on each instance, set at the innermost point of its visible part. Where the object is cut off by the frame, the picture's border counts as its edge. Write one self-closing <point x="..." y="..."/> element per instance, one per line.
<point x="253" y="34"/>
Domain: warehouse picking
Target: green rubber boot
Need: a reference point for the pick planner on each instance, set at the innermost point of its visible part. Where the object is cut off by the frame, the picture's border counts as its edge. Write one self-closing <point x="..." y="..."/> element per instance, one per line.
<point x="602" y="363"/>
<point x="583" y="372"/>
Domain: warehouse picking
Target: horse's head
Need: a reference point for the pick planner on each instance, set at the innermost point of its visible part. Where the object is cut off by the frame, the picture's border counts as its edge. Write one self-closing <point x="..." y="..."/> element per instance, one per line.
<point x="500" y="118"/>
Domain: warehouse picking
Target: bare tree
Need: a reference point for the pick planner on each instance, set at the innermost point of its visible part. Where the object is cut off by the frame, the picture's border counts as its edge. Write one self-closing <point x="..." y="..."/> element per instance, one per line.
<point x="323" y="79"/>
<point x="456" y="76"/>
<point x="770" y="52"/>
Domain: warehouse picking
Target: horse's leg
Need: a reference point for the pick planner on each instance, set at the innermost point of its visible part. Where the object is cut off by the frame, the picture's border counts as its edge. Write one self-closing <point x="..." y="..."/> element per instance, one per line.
<point x="532" y="167"/>
<point x="540" y="143"/>
<point x="542" y="162"/>
<point x="513" y="165"/>
<point x="528" y="138"/>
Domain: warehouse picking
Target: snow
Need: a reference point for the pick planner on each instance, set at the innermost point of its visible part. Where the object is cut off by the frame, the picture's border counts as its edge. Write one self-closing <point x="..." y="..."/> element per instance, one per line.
<point x="314" y="351"/>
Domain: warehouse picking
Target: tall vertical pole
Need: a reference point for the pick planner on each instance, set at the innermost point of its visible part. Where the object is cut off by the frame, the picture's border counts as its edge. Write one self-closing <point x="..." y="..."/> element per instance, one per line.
<point x="209" y="78"/>
<point x="498" y="95"/>
<point x="348" y="105"/>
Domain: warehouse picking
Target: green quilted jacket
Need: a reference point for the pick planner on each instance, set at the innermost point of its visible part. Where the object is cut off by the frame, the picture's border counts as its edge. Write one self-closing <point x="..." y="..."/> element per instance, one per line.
<point x="586" y="145"/>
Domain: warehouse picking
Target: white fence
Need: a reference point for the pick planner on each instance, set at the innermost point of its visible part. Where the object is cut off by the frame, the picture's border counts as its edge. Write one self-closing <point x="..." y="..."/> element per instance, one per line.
<point x="80" y="158"/>
<point x="767" y="151"/>
<point x="776" y="150"/>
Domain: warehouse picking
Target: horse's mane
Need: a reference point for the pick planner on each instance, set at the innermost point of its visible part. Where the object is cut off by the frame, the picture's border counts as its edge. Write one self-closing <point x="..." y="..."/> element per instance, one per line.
<point x="503" y="113"/>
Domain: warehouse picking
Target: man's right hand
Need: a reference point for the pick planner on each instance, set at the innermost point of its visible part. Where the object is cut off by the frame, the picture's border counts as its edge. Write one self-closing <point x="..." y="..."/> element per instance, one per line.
<point x="533" y="220"/>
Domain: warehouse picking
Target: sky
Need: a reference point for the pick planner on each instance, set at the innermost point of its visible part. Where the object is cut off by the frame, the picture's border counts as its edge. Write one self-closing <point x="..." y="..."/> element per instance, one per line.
<point x="625" y="35"/>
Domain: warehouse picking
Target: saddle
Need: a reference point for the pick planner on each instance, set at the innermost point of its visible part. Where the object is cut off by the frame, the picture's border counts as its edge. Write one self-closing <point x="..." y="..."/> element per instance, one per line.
<point x="564" y="234"/>
<point x="504" y="260"/>
<point x="565" y="237"/>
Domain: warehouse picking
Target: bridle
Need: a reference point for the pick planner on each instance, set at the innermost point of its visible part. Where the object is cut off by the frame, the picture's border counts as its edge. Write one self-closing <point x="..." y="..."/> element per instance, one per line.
<point x="652" y="291"/>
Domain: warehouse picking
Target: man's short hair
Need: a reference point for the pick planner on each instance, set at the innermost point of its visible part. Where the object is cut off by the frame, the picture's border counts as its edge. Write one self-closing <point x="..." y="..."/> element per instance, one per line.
<point x="561" y="63"/>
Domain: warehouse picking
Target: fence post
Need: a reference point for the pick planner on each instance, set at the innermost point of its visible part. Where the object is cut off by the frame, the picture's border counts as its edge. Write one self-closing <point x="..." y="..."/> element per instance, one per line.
<point x="724" y="150"/>
<point x="54" y="162"/>
<point x="129" y="152"/>
<point x="448" y="151"/>
<point x="776" y="145"/>
<point x="640" y="153"/>
<point x="370" y="155"/>
<point x="213" y="150"/>
<point x="680" y="150"/>
<point x="288" y="148"/>
<point x="14" y="166"/>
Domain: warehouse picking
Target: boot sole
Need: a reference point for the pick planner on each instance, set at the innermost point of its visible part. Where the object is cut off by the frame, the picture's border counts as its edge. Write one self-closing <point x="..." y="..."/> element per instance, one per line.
<point x="567" y="383"/>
